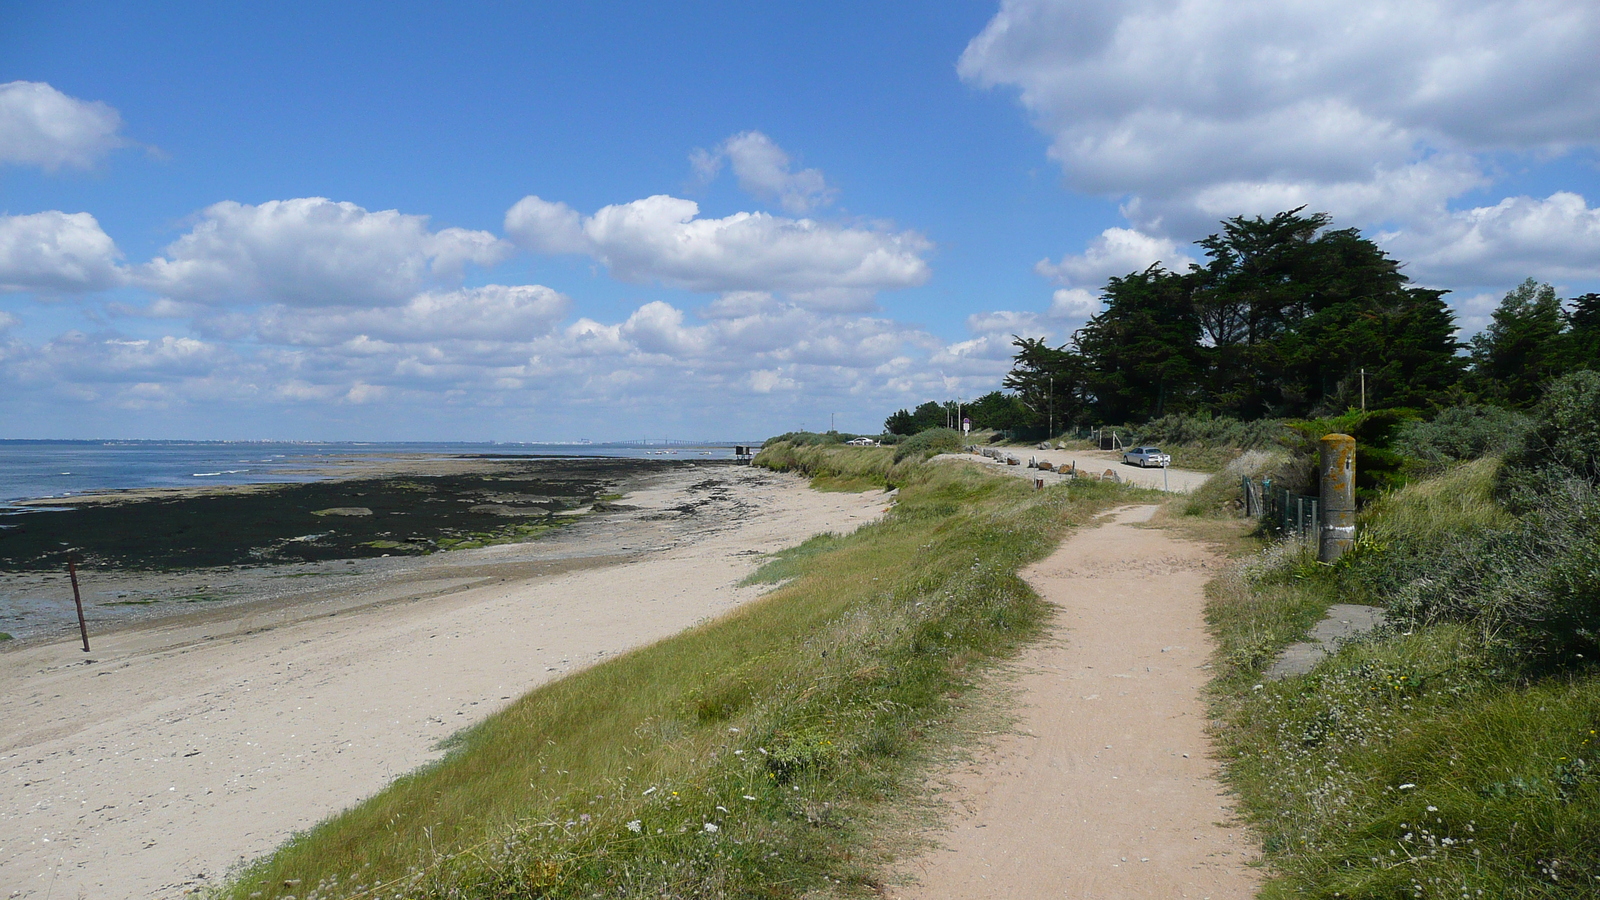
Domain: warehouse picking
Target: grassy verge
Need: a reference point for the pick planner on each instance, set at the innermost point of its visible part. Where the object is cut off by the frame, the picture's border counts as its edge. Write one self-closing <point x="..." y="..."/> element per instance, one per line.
<point x="749" y="757"/>
<point x="1430" y="760"/>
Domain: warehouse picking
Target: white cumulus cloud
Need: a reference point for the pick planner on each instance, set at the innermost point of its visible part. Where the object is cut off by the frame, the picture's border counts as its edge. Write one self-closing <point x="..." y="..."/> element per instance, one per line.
<point x="1381" y="112"/>
<point x="313" y="252"/>
<point x="1558" y="237"/>
<point x="41" y="126"/>
<point x="1116" y="252"/>
<point x="1153" y="96"/>
<point x="663" y="239"/>
<point x="1073" y="303"/>
<point x="496" y="313"/>
<point x="766" y="172"/>
<point x="56" y="252"/>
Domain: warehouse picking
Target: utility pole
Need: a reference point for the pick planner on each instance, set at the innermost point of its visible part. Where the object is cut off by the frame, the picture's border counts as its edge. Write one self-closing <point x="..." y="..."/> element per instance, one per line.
<point x="1363" y="388"/>
<point x="1052" y="396"/>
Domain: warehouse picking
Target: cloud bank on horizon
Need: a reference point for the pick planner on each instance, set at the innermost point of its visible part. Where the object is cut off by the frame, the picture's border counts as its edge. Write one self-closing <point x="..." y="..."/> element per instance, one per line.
<point x="1407" y="120"/>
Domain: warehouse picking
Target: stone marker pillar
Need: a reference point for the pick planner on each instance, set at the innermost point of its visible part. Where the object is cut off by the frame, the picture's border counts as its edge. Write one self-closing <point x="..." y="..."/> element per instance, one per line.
<point x="1338" y="496"/>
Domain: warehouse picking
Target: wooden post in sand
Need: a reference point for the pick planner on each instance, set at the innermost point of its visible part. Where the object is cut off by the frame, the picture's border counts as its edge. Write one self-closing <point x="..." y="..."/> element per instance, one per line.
<point x="77" y="599"/>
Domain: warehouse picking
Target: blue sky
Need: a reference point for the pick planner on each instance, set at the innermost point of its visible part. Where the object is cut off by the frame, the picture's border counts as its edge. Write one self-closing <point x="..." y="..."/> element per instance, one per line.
<point x="365" y="221"/>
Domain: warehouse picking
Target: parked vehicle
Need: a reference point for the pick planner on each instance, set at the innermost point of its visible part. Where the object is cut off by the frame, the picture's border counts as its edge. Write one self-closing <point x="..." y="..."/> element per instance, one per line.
<point x="1145" y="457"/>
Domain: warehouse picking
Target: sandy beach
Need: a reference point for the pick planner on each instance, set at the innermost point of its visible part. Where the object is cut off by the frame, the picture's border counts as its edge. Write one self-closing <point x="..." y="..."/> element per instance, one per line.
<point x="184" y="745"/>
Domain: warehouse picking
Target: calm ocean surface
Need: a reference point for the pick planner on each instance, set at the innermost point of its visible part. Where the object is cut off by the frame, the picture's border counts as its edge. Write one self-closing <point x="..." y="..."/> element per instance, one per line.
<point x="40" y="469"/>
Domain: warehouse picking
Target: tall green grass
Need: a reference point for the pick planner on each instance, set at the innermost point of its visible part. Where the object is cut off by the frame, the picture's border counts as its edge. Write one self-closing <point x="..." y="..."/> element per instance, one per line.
<point x="1441" y="757"/>
<point x="1460" y="500"/>
<point x="754" y="756"/>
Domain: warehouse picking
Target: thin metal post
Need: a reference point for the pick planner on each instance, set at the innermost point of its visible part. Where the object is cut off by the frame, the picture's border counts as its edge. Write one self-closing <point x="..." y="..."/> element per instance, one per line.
<point x="77" y="599"/>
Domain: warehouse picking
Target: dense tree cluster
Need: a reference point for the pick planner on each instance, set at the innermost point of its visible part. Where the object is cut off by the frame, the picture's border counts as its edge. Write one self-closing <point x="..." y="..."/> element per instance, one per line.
<point x="1533" y="339"/>
<point x="1286" y="318"/>
<point x="996" y="410"/>
<point x="1282" y="320"/>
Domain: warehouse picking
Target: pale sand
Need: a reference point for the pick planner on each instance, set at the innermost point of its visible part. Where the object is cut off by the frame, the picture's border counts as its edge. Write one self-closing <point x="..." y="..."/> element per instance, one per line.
<point x="1106" y="788"/>
<point x="187" y="747"/>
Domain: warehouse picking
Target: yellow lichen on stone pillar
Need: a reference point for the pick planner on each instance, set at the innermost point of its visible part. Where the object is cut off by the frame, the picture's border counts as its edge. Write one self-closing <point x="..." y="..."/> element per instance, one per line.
<point x="1338" y="496"/>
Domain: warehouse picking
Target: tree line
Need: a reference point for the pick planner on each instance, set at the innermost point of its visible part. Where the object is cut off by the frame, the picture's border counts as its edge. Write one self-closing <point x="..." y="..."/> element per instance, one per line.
<point x="1287" y="317"/>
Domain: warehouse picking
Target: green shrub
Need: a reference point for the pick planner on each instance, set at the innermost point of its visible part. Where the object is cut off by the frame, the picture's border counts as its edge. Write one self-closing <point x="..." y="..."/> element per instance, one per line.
<point x="1454" y="752"/>
<point x="929" y="443"/>
<point x="1565" y="439"/>
<point x="1378" y="466"/>
<point x="1463" y="432"/>
<point x="1445" y="551"/>
<point x="1209" y="431"/>
<point x="814" y="439"/>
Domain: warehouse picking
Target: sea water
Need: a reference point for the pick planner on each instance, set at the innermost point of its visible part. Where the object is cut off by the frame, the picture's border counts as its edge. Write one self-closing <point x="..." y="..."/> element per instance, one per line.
<point x="33" y="470"/>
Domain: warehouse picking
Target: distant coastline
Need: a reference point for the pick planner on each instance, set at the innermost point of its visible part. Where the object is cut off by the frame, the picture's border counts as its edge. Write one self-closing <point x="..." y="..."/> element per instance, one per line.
<point x="160" y="552"/>
<point x="39" y="470"/>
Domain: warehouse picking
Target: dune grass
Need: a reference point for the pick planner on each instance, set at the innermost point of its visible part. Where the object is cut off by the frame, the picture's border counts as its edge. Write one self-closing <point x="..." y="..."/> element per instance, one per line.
<point x="1458" y="500"/>
<point x="1426" y="761"/>
<point x="754" y="756"/>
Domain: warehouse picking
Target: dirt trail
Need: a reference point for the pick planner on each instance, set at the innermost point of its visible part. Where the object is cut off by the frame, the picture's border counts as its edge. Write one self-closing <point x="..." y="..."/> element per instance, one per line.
<point x="1106" y="789"/>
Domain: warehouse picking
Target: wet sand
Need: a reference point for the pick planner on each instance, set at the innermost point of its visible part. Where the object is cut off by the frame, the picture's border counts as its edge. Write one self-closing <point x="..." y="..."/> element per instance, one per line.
<point x="184" y="745"/>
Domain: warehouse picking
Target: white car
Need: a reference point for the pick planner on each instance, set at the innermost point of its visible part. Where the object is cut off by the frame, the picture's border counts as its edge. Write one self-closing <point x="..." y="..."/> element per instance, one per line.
<point x="1145" y="457"/>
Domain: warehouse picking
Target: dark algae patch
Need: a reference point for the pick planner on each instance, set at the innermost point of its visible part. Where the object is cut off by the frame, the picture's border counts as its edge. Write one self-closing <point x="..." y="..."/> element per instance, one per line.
<point x="510" y="500"/>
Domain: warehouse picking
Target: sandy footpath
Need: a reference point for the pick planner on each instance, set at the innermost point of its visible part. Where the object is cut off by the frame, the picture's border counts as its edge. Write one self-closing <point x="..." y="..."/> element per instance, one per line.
<point x="185" y="747"/>
<point x="1106" y="788"/>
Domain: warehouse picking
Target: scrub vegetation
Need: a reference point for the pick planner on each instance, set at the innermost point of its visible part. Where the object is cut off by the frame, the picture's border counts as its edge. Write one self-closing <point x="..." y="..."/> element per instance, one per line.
<point x="758" y="755"/>
<point x="1456" y="751"/>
